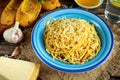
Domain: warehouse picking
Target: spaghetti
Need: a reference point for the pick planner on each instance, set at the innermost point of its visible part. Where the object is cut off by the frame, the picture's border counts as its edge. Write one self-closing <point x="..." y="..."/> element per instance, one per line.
<point x="71" y="40"/>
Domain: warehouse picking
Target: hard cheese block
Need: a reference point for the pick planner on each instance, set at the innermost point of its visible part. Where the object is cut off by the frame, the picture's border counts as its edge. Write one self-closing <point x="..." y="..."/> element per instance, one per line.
<point x="13" y="69"/>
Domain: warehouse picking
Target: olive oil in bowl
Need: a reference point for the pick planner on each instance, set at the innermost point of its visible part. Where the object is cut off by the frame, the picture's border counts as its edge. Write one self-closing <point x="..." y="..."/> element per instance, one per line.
<point x="89" y="3"/>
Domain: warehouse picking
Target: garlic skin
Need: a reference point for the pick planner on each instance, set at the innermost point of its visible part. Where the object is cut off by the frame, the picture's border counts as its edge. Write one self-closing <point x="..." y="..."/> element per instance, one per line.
<point x="13" y="34"/>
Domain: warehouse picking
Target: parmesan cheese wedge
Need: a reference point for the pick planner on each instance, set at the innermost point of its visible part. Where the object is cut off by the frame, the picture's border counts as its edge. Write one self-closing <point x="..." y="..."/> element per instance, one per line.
<point x="13" y="69"/>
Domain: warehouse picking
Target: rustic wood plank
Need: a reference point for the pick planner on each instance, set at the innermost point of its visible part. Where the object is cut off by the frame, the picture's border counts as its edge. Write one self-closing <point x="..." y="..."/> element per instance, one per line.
<point x="5" y="47"/>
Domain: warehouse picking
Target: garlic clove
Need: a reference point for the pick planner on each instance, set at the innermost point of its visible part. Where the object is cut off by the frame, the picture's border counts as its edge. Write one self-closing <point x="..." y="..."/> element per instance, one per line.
<point x="15" y="52"/>
<point x="13" y="34"/>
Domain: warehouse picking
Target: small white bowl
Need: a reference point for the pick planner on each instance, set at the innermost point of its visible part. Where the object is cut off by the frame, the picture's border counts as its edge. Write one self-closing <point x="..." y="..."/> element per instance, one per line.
<point x="89" y="7"/>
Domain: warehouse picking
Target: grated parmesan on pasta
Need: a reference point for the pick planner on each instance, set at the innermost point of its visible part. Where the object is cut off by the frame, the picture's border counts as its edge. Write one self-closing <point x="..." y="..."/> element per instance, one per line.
<point x="72" y="40"/>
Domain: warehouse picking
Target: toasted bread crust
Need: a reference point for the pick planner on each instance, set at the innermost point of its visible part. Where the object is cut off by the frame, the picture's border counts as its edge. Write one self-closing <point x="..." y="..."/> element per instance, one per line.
<point x="28" y="12"/>
<point x="51" y="4"/>
<point x="9" y="13"/>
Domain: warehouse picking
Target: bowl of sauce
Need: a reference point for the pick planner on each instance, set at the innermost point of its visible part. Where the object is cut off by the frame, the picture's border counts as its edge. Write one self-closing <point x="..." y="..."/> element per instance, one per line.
<point x="89" y="4"/>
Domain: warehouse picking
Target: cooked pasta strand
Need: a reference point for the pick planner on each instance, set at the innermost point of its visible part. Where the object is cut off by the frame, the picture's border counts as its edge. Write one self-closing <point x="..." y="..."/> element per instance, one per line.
<point x="71" y="40"/>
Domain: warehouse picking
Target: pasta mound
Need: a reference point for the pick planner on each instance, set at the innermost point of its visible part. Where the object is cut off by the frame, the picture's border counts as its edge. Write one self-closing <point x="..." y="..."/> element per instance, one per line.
<point x="72" y="40"/>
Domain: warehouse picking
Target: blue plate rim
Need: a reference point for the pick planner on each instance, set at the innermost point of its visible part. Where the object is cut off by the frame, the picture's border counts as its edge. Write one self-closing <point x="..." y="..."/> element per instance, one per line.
<point x="78" y="70"/>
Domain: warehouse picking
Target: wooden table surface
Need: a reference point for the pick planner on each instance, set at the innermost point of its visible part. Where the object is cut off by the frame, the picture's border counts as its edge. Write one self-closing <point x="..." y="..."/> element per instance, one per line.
<point x="7" y="48"/>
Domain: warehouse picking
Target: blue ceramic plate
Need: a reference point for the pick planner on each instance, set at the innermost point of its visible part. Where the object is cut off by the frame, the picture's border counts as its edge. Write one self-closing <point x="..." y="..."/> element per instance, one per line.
<point x="101" y="27"/>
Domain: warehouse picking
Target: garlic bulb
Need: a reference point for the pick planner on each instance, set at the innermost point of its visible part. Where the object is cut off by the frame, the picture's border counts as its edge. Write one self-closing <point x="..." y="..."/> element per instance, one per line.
<point x="13" y="34"/>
